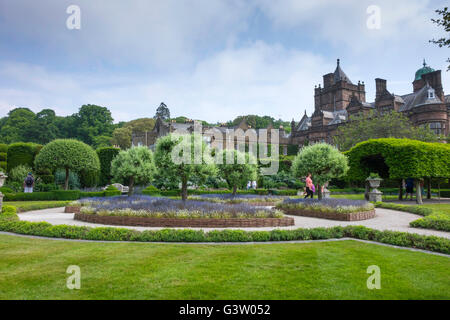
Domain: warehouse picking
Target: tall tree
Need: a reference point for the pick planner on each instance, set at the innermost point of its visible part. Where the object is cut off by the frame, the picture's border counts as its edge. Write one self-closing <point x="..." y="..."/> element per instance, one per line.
<point x="237" y="168"/>
<point x="444" y="22"/>
<point x="162" y="112"/>
<point x="18" y="126"/>
<point x="363" y="127"/>
<point x="91" y="121"/>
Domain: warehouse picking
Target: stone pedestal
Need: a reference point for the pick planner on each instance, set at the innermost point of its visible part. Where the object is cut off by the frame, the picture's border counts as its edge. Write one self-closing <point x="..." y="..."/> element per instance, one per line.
<point x="375" y="195"/>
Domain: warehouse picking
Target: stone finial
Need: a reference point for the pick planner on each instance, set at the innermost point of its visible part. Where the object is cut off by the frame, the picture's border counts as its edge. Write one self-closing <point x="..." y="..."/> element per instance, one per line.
<point x="338" y="62"/>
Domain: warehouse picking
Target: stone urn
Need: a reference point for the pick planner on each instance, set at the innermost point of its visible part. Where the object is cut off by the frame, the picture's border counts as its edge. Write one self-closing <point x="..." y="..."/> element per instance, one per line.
<point x="2" y="181"/>
<point x="375" y="194"/>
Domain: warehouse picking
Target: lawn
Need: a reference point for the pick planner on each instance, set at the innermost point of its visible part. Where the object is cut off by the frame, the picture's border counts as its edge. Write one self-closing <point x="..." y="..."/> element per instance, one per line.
<point x="23" y="206"/>
<point x="36" y="269"/>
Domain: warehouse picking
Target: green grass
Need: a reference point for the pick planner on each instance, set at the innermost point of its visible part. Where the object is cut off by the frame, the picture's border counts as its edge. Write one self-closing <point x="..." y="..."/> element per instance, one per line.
<point x="23" y="206"/>
<point x="439" y="219"/>
<point x="360" y="196"/>
<point x="36" y="269"/>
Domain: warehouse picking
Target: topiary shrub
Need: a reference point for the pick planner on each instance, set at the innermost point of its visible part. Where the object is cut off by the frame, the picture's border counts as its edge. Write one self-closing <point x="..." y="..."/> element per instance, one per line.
<point x="70" y="155"/>
<point x="89" y="179"/>
<point x="106" y="155"/>
<point x="21" y="153"/>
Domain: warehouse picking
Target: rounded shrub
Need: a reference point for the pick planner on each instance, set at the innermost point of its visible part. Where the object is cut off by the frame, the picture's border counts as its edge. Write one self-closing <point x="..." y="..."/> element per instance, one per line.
<point x="68" y="154"/>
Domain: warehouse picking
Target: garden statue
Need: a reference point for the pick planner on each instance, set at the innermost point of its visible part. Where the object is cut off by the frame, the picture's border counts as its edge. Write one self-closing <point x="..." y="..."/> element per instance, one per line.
<point x="2" y="181"/>
<point x="325" y="192"/>
<point x="375" y="181"/>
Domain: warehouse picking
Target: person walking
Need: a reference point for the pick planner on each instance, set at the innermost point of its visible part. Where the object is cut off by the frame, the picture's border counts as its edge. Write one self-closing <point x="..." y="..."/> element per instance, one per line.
<point x="309" y="187"/>
<point x="28" y="183"/>
<point x="409" y="188"/>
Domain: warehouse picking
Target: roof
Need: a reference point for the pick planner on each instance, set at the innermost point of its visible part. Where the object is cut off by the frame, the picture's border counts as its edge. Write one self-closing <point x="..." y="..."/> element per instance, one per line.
<point x="339" y="74"/>
<point x="424" y="70"/>
<point x="419" y="98"/>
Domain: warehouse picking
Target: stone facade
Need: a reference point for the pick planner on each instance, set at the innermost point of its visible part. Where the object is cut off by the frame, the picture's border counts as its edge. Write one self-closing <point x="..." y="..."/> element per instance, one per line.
<point x="340" y="98"/>
<point x="334" y="103"/>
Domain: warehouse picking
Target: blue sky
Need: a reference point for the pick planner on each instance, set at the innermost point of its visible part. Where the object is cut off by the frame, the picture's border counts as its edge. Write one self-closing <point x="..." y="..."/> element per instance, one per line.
<point x="206" y="59"/>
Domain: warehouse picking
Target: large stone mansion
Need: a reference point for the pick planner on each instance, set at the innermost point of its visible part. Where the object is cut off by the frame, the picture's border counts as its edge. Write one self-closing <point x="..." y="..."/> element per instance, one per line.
<point x="335" y="102"/>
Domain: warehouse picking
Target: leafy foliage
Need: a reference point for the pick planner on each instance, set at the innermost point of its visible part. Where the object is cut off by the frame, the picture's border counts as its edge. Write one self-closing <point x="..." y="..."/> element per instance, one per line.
<point x="71" y="155"/>
<point x="18" y="174"/>
<point x="444" y="22"/>
<point x="106" y="155"/>
<point x="190" y="147"/>
<point x="21" y="153"/>
<point x="363" y="127"/>
<point x="327" y="205"/>
<point x="162" y="112"/>
<point x="323" y="161"/>
<point x="135" y="166"/>
<point x="243" y="168"/>
<point x="399" y="159"/>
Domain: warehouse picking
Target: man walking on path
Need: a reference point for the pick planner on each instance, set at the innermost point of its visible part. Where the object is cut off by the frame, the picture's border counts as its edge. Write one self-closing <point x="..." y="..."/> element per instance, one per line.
<point x="28" y="183"/>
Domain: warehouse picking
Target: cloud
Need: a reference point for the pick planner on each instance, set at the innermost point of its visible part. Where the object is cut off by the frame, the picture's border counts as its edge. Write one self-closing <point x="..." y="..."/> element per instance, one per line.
<point x="259" y="78"/>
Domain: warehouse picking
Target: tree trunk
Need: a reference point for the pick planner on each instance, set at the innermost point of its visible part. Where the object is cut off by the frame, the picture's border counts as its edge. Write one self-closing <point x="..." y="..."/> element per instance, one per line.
<point x="184" y="194"/>
<point x="366" y="193"/>
<point x="400" y="190"/>
<point x="131" y="186"/>
<point x="234" y="190"/>
<point x="429" y="188"/>
<point x="66" y="182"/>
<point x="418" y="192"/>
<point x="319" y="192"/>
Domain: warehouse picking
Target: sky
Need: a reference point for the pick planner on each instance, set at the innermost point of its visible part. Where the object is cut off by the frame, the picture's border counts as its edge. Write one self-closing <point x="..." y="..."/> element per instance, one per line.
<point x="208" y="59"/>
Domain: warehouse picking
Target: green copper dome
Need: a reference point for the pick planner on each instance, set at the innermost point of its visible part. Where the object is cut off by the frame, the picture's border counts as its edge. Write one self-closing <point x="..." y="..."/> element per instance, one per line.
<point x="424" y="70"/>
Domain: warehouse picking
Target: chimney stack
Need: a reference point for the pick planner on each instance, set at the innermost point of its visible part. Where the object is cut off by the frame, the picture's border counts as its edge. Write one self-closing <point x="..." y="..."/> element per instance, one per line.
<point x="380" y="85"/>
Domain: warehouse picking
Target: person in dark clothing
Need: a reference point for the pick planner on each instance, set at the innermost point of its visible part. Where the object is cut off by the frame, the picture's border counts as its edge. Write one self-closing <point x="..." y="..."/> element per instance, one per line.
<point x="28" y="183"/>
<point x="409" y="188"/>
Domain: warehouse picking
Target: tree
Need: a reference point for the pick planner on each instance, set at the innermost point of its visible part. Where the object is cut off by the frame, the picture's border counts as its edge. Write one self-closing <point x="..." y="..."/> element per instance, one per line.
<point x="106" y="155"/>
<point x="122" y="137"/>
<point x="92" y="121"/>
<point x="17" y="126"/>
<point x="67" y="154"/>
<point x="243" y="168"/>
<point x="363" y="127"/>
<point x="323" y="161"/>
<point x="183" y="159"/>
<point x="162" y="112"/>
<point x="135" y="165"/>
<point x="445" y="23"/>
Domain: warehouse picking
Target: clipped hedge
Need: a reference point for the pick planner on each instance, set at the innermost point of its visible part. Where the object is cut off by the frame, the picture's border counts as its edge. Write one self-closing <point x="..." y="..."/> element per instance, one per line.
<point x="399" y="159"/>
<point x="9" y="222"/>
<point x="106" y="155"/>
<point x="22" y="153"/>
<point x="57" y="195"/>
<point x="153" y="191"/>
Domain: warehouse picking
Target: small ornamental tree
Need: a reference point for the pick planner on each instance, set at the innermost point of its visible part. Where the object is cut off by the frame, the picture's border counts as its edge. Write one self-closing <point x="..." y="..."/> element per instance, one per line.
<point x="67" y="154"/>
<point x="135" y="166"/>
<point x="183" y="159"/>
<point x="323" y="161"/>
<point x="237" y="168"/>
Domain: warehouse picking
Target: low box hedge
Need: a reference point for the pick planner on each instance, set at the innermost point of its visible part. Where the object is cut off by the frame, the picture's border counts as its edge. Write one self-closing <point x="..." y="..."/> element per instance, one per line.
<point x="9" y="223"/>
<point x="57" y="195"/>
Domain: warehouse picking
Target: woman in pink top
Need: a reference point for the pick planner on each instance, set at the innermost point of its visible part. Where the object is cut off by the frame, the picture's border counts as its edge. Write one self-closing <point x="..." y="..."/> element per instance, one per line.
<point x="309" y="187"/>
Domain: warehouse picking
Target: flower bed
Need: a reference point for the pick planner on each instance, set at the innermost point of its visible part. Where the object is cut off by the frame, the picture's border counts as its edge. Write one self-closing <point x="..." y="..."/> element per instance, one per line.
<point x="163" y="212"/>
<point x="333" y="209"/>
<point x="253" y="199"/>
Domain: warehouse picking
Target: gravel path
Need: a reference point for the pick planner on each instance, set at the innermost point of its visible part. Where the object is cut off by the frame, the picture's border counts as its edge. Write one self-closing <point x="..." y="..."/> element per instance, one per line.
<point x="384" y="220"/>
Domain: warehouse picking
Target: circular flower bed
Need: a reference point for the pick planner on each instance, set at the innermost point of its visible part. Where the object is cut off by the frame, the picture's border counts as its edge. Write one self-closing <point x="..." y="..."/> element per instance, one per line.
<point x="334" y="209"/>
<point x="164" y="212"/>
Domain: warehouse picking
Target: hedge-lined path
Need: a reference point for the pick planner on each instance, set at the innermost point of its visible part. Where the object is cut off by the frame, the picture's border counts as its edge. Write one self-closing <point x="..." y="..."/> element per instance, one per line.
<point x="385" y="219"/>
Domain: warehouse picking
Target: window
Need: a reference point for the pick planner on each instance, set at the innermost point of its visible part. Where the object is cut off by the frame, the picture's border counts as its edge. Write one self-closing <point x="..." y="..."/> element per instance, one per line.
<point x="437" y="127"/>
<point x="431" y="93"/>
